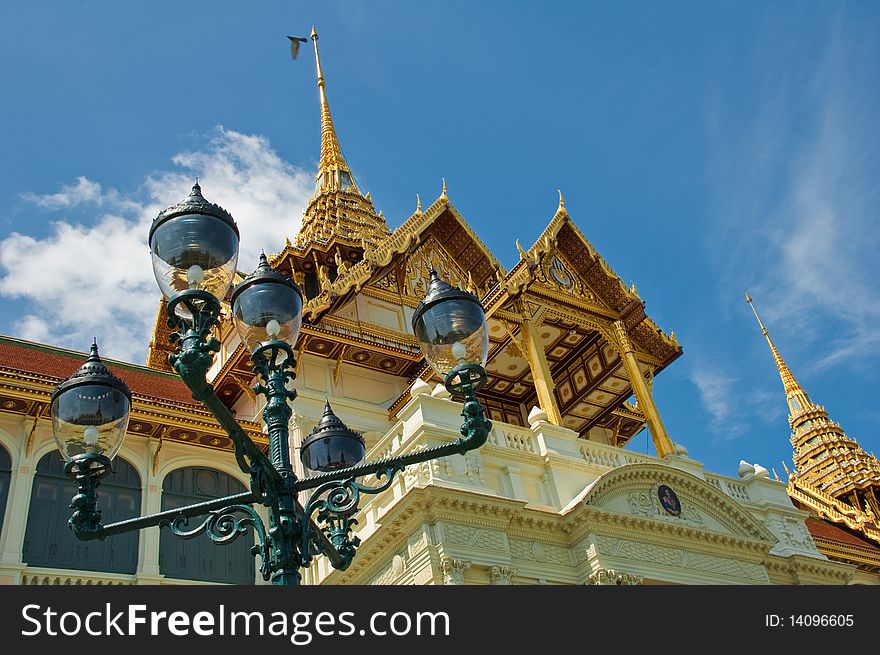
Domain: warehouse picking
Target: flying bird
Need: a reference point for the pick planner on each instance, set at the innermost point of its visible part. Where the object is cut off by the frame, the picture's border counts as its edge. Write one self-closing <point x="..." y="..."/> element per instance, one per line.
<point x="294" y="45"/>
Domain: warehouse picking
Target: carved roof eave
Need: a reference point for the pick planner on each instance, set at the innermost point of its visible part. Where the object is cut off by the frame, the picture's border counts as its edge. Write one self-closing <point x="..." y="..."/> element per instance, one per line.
<point x="301" y="253"/>
<point x="229" y="365"/>
<point x="863" y="558"/>
<point x="521" y="280"/>
<point x="233" y="363"/>
<point x="38" y="388"/>
<point x="376" y="261"/>
<point x="832" y="509"/>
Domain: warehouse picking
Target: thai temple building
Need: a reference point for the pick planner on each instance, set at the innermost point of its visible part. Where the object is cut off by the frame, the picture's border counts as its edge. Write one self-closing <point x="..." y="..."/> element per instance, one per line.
<point x="552" y="498"/>
<point x="836" y="481"/>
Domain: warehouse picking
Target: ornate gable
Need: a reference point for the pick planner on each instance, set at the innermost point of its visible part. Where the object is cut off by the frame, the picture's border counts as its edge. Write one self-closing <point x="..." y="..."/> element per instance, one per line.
<point x="672" y="497"/>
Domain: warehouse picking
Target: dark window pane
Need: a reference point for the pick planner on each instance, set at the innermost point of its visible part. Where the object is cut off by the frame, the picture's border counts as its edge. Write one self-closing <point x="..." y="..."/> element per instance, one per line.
<point x="50" y="543"/>
<point x="200" y="558"/>
<point x="5" y="480"/>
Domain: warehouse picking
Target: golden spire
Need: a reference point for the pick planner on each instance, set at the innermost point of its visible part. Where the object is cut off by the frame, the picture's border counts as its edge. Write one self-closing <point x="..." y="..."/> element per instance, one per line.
<point x="828" y="463"/>
<point x="788" y="382"/>
<point x="333" y="172"/>
<point x="337" y="210"/>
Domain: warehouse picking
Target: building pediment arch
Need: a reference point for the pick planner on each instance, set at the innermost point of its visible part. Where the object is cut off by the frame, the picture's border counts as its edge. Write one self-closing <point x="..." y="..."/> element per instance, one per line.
<point x="672" y="497"/>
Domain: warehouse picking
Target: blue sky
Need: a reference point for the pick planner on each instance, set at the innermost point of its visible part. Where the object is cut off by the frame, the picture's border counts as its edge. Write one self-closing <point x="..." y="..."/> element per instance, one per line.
<point x="705" y="149"/>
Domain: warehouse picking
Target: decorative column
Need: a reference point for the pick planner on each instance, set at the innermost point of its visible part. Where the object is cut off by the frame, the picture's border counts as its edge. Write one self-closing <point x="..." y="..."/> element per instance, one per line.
<point x="534" y="352"/>
<point x="501" y="575"/>
<point x="148" y="543"/>
<point x="18" y="503"/>
<point x="612" y="577"/>
<point x="297" y="433"/>
<point x="662" y="442"/>
<point x="453" y="570"/>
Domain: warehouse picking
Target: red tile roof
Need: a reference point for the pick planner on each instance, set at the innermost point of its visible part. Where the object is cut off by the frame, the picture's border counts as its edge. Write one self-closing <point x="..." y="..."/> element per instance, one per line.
<point x="820" y="528"/>
<point x="29" y="357"/>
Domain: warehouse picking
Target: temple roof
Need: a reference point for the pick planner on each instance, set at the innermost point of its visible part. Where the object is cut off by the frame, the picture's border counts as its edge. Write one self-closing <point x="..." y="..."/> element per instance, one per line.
<point x="56" y="364"/>
<point x="162" y="405"/>
<point x="562" y="298"/>
<point x="842" y="545"/>
<point x="337" y="210"/>
<point x="833" y="475"/>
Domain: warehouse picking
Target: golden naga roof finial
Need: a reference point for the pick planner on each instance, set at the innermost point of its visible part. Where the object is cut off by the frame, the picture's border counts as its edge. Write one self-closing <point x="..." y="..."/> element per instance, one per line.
<point x="418" y="204"/>
<point x="786" y="468"/>
<point x="522" y="253"/>
<point x="561" y="201"/>
<point x="788" y="382"/>
<point x="443" y="195"/>
<point x="333" y="172"/>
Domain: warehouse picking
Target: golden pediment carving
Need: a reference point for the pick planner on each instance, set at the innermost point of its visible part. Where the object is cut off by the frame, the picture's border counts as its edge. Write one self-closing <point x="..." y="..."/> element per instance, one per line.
<point x="427" y="256"/>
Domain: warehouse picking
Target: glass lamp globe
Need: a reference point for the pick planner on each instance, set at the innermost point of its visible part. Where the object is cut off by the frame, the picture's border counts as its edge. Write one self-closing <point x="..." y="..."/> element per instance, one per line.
<point x="267" y="306"/>
<point x="194" y="245"/>
<point x="450" y="326"/>
<point x="331" y="445"/>
<point x="90" y="410"/>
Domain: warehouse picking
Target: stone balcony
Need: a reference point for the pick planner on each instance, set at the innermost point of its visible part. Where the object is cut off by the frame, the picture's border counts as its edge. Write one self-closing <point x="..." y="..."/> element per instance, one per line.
<point x="545" y="470"/>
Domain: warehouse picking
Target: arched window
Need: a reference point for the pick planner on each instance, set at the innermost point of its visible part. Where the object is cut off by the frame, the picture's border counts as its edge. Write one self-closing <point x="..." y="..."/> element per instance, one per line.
<point x="200" y="558"/>
<point x="5" y="480"/>
<point x="49" y="542"/>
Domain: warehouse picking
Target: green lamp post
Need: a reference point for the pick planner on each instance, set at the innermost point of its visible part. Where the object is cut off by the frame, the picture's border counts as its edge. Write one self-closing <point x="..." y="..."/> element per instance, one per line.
<point x="194" y="248"/>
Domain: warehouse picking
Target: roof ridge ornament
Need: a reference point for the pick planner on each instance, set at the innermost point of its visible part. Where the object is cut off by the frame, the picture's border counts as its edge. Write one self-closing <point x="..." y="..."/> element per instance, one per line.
<point x="816" y="438"/>
<point x="788" y="381"/>
<point x="332" y="161"/>
<point x="330" y="214"/>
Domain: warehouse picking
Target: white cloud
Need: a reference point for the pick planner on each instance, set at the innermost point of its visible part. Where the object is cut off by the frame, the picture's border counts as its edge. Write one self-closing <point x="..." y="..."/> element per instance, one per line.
<point x="795" y="183"/>
<point x="795" y="211"/>
<point x="718" y="395"/>
<point x="82" y="281"/>
<point x="71" y="195"/>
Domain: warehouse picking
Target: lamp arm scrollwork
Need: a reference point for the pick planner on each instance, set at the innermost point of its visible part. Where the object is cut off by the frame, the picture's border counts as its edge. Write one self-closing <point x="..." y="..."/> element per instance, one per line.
<point x="474" y="430"/>
<point x="223" y="526"/>
<point x="295" y="533"/>
<point x="335" y="502"/>
<point x="337" y="494"/>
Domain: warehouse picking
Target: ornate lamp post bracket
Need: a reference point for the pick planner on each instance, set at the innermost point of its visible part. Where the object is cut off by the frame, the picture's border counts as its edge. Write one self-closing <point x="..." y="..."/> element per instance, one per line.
<point x="194" y="246"/>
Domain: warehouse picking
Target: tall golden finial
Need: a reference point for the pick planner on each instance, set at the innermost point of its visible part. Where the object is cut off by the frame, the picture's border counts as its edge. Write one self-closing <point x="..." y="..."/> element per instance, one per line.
<point x="788" y="382"/>
<point x="443" y="195"/>
<point x="329" y="215"/>
<point x="333" y="172"/>
<point x="561" y="207"/>
<point x="418" y="204"/>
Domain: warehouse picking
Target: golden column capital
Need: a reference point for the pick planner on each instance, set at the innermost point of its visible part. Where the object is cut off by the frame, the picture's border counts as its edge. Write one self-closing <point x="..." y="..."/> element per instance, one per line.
<point x="622" y="337"/>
